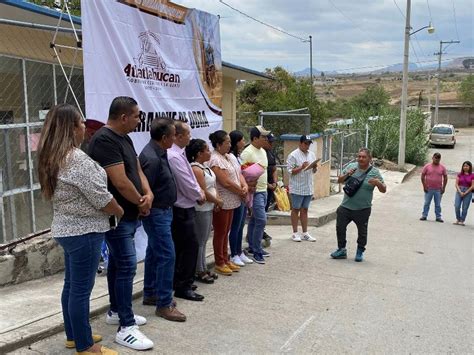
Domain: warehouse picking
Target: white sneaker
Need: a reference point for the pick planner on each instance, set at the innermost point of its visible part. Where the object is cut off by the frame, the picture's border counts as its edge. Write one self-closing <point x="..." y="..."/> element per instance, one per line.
<point x="112" y="318"/>
<point x="296" y="237"/>
<point x="245" y="259"/>
<point x="132" y="338"/>
<point x="306" y="236"/>
<point x="236" y="260"/>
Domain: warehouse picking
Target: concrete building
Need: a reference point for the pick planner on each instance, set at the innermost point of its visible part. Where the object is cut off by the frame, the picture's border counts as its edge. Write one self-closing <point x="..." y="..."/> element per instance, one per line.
<point x="458" y="115"/>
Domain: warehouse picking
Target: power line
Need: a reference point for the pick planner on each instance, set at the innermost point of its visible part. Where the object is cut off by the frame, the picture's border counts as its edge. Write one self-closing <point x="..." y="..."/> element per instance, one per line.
<point x="388" y="65"/>
<point x="416" y="38"/>
<point x="455" y="22"/>
<point x="431" y="17"/>
<point x="398" y="7"/>
<point x="264" y="23"/>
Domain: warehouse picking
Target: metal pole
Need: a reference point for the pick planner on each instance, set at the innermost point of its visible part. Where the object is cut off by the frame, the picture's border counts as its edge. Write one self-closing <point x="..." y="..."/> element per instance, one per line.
<point x="311" y="64"/>
<point x="439" y="75"/>
<point x="367" y="135"/>
<point x="437" y="82"/>
<point x="429" y="93"/>
<point x="403" y="111"/>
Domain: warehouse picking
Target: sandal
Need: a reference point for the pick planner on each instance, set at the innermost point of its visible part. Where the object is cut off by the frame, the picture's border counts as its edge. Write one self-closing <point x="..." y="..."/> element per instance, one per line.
<point x="213" y="275"/>
<point x="204" y="278"/>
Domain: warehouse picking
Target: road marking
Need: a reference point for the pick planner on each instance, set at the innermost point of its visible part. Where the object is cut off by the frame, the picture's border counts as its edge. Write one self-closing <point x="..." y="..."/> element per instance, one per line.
<point x="298" y="331"/>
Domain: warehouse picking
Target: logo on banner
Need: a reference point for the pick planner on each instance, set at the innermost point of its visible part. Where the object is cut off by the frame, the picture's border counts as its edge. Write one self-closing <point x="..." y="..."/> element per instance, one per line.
<point x="149" y="68"/>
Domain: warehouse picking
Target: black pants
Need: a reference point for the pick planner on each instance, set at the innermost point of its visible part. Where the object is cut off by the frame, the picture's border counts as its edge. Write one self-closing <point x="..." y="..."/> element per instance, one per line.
<point x="270" y="199"/>
<point x="186" y="247"/>
<point x="360" y="218"/>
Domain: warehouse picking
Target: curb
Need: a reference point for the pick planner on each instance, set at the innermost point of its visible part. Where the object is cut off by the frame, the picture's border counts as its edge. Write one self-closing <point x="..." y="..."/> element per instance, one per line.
<point x="409" y="173"/>
<point x="285" y="220"/>
<point x="53" y="324"/>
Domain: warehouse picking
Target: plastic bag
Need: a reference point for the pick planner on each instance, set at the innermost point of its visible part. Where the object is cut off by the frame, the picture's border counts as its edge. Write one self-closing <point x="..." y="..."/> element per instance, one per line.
<point x="281" y="198"/>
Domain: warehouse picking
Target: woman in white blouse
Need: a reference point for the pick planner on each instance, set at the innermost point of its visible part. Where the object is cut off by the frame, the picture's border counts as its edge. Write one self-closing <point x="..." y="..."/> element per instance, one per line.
<point x="198" y="155"/>
<point x="82" y="205"/>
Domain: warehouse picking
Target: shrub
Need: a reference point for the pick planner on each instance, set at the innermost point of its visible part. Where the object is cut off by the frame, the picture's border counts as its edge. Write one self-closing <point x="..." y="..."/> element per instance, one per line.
<point x="384" y="135"/>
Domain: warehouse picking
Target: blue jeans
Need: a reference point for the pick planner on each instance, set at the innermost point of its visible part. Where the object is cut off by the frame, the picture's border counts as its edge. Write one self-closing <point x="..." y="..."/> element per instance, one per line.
<point x="237" y="229"/>
<point x="461" y="204"/>
<point x="160" y="256"/>
<point x="81" y="259"/>
<point x="257" y="221"/>
<point x="436" y="195"/>
<point x="122" y="269"/>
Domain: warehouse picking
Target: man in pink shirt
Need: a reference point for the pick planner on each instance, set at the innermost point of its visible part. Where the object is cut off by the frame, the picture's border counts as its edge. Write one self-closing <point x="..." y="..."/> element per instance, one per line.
<point x="434" y="179"/>
<point x="183" y="227"/>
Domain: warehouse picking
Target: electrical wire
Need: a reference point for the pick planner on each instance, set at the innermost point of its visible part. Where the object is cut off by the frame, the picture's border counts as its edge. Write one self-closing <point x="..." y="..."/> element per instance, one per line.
<point x="264" y="23"/>
<point x="416" y="38"/>
<point x="388" y="65"/>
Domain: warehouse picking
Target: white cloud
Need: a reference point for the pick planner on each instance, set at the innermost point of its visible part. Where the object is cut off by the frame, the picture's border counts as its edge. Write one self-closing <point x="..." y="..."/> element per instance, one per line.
<point x="346" y="33"/>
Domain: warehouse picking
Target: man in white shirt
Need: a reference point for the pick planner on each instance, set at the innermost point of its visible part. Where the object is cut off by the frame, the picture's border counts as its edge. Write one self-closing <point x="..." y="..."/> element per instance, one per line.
<point x="301" y="166"/>
<point x="255" y="153"/>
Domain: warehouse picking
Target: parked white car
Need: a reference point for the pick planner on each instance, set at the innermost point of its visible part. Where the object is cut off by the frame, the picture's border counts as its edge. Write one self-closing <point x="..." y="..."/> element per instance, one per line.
<point x="443" y="134"/>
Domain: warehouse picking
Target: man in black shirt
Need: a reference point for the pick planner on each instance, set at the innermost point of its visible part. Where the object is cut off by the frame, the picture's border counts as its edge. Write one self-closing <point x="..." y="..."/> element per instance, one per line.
<point x="160" y="253"/>
<point x="113" y="149"/>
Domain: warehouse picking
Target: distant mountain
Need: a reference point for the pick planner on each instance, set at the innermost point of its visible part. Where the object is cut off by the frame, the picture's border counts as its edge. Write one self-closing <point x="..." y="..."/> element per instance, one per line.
<point x="395" y="68"/>
<point x="456" y="63"/>
<point x="316" y="72"/>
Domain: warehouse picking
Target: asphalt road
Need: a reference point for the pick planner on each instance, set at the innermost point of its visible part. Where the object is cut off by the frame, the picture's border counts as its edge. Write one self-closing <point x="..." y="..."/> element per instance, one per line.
<point x="412" y="294"/>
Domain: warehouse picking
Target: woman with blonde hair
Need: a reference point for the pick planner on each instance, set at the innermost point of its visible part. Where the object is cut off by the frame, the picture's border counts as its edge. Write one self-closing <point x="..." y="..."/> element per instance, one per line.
<point x="77" y="187"/>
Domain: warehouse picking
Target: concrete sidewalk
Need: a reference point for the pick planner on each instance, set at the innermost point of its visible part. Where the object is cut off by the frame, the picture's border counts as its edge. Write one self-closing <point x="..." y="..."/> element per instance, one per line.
<point x="32" y="311"/>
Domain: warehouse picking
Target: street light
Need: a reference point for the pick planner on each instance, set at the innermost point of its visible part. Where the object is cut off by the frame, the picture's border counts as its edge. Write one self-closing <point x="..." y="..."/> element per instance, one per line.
<point x="403" y="111"/>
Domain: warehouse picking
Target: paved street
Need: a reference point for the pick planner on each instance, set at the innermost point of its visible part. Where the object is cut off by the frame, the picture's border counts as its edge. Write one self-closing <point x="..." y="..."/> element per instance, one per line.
<point x="412" y="294"/>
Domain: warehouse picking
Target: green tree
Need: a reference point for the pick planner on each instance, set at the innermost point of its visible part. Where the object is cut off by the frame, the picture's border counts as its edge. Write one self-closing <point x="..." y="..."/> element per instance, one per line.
<point x="285" y="92"/>
<point x="74" y="5"/>
<point x="466" y="90"/>
<point x="373" y="101"/>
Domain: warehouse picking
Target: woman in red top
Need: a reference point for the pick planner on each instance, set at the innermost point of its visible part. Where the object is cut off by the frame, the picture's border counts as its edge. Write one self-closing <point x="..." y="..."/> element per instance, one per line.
<point x="464" y="187"/>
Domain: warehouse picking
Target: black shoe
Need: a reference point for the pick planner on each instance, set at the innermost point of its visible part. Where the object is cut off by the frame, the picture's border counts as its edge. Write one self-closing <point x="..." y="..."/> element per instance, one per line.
<point x="194" y="287"/>
<point x="266" y="236"/>
<point x="423" y="218"/>
<point x="189" y="295"/>
<point x="439" y="220"/>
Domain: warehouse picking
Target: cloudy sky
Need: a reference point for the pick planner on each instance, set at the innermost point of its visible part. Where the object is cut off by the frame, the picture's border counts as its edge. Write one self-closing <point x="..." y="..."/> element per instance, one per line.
<point x="347" y="35"/>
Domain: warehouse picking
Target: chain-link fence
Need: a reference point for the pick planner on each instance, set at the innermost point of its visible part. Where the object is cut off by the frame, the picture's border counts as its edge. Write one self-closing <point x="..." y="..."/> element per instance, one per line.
<point x="345" y="146"/>
<point x="281" y="122"/>
<point x="29" y="89"/>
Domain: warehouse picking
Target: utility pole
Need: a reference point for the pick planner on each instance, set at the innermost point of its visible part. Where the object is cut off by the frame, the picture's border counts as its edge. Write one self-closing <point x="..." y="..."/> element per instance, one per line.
<point x="440" y="53"/>
<point x="403" y="110"/>
<point x="429" y="93"/>
<point x="311" y="64"/>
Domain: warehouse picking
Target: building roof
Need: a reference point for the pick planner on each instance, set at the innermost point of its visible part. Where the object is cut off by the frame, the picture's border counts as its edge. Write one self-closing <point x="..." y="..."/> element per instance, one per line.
<point x="21" y="12"/>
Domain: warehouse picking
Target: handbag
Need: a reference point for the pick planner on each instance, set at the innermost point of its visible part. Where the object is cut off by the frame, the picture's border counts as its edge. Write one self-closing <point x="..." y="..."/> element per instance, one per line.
<point x="353" y="183"/>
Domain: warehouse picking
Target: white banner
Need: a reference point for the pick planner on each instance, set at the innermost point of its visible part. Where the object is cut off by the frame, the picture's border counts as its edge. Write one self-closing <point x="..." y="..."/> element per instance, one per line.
<point x="165" y="56"/>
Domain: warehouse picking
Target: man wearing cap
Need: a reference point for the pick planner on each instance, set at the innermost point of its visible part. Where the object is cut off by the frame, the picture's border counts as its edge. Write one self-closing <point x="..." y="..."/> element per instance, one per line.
<point x="301" y="187"/>
<point x="255" y="153"/>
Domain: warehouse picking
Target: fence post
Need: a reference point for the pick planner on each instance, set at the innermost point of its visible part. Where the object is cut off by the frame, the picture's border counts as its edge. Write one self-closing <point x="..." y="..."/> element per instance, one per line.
<point x="342" y="154"/>
<point x="367" y="135"/>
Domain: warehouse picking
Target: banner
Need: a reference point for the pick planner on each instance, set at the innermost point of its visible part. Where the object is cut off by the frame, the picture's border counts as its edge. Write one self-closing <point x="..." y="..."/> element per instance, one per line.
<point x="165" y="56"/>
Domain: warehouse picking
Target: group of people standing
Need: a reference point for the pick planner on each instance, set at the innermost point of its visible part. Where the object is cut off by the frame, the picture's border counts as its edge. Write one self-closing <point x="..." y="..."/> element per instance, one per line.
<point x="176" y="187"/>
<point x="180" y="190"/>
<point x="434" y="178"/>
